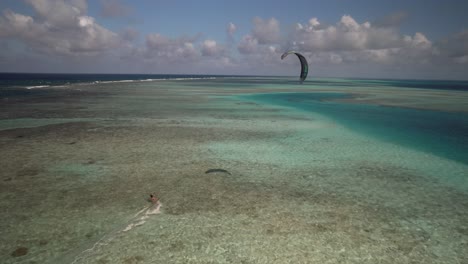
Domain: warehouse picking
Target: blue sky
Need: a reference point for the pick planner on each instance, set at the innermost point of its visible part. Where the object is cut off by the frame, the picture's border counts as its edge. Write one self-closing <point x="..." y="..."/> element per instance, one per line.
<point x="384" y="39"/>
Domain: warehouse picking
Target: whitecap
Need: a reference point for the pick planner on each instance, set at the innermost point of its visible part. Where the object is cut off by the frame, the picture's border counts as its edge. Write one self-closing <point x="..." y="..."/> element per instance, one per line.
<point x="36" y="87"/>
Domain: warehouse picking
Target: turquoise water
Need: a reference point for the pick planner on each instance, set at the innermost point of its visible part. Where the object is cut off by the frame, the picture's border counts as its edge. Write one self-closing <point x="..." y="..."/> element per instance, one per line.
<point x="440" y="133"/>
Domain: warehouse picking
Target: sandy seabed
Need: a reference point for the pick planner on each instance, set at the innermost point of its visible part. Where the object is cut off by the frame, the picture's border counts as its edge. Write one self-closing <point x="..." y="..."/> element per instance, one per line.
<point x="77" y="166"/>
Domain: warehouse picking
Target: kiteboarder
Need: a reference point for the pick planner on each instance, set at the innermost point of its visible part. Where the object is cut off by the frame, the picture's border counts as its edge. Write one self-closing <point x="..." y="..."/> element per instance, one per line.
<point x="153" y="199"/>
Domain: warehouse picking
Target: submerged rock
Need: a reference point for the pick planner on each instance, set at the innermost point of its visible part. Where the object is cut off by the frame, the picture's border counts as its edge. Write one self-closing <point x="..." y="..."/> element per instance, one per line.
<point x="21" y="251"/>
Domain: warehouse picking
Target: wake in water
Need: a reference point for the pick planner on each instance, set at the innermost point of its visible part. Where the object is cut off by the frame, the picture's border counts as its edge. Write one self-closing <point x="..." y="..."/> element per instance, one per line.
<point x="137" y="220"/>
<point x="154" y="209"/>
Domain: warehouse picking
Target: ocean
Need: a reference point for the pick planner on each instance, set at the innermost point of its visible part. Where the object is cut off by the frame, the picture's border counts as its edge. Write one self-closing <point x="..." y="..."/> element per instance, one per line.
<point x="247" y="169"/>
<point x="42" y="80"/>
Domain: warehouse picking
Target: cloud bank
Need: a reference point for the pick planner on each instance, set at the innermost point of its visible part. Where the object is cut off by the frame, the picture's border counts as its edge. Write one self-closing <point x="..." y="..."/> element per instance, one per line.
<point x="59" y="28"/>
<point x="63" y="31"/>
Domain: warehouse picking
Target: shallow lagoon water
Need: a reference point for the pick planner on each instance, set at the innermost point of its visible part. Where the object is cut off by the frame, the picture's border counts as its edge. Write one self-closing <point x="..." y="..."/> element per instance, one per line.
<point x="306" y="184"/>
<point x="439" y="133"/>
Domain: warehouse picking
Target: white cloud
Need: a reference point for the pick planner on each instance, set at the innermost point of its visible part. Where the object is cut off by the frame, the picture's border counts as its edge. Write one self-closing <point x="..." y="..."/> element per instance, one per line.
<point x="211" y="48"/>
<point x="171" y="49"/>
<point x="266" y="32"/>
<point x="248" y="45"/>
<point x="314" y="22"/>
<point x="12" y="22"/>
<point x="61" y="28"/>
<point x="418" y="41"/>
<point x="59" y="13"/>
<point x="346" y="35"/>
<point x="157" y="41"/>
<point x="64" y="29"/>
<point x="351" y="42"/>
<point x="85" y="21"/>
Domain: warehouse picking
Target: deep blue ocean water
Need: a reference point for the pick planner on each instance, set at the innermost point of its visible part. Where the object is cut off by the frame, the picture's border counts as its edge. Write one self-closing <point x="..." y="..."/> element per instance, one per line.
<point x="39" y="80"/>
<point x="36" y="84"/>
<point x="441" y="133"/>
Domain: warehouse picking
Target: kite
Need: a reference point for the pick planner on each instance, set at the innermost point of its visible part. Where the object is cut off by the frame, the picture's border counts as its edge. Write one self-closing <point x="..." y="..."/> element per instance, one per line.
<point x="304" y="65"/>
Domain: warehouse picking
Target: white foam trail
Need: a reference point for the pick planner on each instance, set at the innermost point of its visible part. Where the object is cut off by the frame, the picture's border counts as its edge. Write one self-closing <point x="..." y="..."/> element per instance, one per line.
<point x="155" y="209"/>
<point x="137" y="220"/>
<point x="141" y="211"/>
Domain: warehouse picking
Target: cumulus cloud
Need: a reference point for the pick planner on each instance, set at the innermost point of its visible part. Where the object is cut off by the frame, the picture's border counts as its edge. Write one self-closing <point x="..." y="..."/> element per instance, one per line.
<point x="263" y="59"/>
<point x="248" y="45"/>
<point x="349" y="42"/>
<point x="59" y="27"/>
<point x="211" y="48"/>
<point x="414" y="50"/>
<point x="418" y="41"/>
<point x="65" y="28"/>
<point x="347" y="34"/>
<point x="353" y="46"/>
<point x="266" y="31"/>
<point x="171" y="49"/>
<point x="59" y="13"/>
<point x="186" y="54"/>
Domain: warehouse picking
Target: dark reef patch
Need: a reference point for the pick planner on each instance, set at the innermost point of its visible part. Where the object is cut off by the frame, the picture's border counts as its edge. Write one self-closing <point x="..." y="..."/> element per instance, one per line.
<point x="20" y="251"/>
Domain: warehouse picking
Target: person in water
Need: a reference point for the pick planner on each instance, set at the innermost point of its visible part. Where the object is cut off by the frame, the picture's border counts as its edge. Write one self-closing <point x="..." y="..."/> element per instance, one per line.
<point x="153" y="199"/>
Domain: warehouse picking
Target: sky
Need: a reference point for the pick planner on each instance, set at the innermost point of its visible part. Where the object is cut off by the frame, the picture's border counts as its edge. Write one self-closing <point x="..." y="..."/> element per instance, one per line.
<point x="417" y="39"/>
